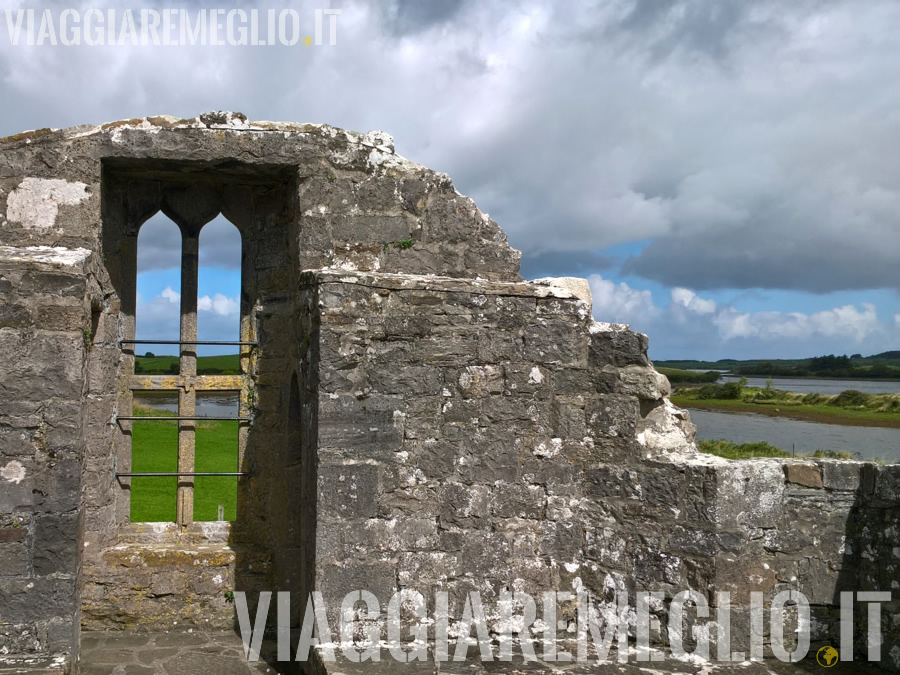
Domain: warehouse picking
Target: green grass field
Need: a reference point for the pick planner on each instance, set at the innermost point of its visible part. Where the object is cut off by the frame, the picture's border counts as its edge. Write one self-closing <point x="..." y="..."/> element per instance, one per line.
<point x="154" y="447"/>
<point x="224" y="364"/>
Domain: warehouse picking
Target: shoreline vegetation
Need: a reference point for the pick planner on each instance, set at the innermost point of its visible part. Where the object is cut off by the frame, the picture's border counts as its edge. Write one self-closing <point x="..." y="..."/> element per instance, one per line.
<point x="729" y="450"/>
<point x="883" y="366"/>
<point x="850" y="407"/>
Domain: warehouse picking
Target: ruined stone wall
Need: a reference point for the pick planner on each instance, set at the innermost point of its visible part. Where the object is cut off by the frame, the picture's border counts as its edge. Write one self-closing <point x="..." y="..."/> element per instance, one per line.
<point x="491" y="437"/>
<point x="820" y="527"/>
<point x="358" y="199"/>
<point x="45" y="341"/>
<point x="478" y="436"/>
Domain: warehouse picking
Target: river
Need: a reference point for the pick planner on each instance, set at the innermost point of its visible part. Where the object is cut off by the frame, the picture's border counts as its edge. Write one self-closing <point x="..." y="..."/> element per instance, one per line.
<point x="830" y="387"/>
<point x="805" y="437"/>
<point x="218" y="404"/>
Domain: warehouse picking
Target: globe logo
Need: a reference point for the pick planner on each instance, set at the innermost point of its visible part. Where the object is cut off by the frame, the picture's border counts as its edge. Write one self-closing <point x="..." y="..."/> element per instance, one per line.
<point x="827" y="657"/>
<point x="307" y="41"/>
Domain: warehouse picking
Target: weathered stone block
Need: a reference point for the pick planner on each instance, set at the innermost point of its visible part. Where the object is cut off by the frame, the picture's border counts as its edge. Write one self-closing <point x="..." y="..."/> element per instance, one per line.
<point x="518" y="501"/>
<point x="52" y="283"/>
<point x="56" y="543"/>
<point x="608" y="547"/>
<point x="612" y="415"/>
<point x="613" y="344"/>
<point x="361" y="425"/>
<point x="465" y="505"/>
<point x="348" y="491"/>
<point x="654" y="567"/>
<point x="742" y="576"/>
<point x="642" y="381"/>
<point x="17" y="442"/>
<point x="17" y="481"/>
<point x="57" y="488"/>
<point x="839" y="475"/>
<point x="750" y="493"/>
<point x="15" y="316"/>
<point x="67" y="318"/>
<point x="807" y="475"/>
<point x="35" y="599"/>
<point x="693" y="542"/>
<point x="553" y="342"/>
<point x="14" y="559"/>
<point x="13" y="533"/>
<point x="336" y="582"/>
<point x="428" y="568"/>
<point x="887" y="483"/>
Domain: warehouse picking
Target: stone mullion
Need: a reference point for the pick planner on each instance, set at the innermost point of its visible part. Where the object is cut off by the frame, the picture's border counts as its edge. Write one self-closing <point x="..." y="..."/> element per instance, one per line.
<point x="187" y="395"/>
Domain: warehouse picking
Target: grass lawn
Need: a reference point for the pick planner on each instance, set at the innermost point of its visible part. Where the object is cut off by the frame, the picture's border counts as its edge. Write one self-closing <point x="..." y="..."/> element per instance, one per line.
<point x="154" y="447"/>
<point x="224" y="364"/>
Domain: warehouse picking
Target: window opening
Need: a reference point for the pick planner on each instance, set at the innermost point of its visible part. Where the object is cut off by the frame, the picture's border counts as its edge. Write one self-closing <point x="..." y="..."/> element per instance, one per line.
<point x="187" y="384"/>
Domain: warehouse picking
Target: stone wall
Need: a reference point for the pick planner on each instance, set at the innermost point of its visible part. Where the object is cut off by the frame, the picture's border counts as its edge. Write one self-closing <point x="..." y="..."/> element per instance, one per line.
<point x="45" y="339"/>
<point x="484" y="436"/>
<point x="502" y="441"/>
<point x="358" y="200"/>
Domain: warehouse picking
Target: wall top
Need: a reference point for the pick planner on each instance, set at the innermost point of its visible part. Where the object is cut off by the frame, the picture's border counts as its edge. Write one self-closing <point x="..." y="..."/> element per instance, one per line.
<point x="347" y="199"/>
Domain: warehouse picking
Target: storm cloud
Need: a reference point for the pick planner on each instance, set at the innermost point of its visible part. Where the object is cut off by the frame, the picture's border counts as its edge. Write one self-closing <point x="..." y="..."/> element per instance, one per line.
<point x="747" y="145"/>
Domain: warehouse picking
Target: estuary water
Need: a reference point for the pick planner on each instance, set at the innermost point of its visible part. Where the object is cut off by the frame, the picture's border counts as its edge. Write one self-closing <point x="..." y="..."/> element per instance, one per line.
<point x="209" y="404"/>
<point x="804" y="437"/>
<point x="830" y="387"/>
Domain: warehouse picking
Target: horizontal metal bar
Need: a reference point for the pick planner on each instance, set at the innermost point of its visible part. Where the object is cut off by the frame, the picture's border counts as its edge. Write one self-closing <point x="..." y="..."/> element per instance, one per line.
<point x="147" y="474"/>
<point x="184" y="419"/>
<point x="187" y="342"/>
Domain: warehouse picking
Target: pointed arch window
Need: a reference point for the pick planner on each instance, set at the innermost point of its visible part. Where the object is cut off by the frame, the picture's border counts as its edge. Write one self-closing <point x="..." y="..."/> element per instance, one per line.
<point x="189" y="471"/>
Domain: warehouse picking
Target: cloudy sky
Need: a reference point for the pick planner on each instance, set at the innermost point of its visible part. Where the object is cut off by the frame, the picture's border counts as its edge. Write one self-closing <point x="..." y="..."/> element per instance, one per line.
<point x="726" y="174"/>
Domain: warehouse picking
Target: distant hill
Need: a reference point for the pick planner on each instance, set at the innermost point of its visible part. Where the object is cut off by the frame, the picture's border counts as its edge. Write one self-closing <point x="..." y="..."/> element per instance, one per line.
<point x="885" y="365"/>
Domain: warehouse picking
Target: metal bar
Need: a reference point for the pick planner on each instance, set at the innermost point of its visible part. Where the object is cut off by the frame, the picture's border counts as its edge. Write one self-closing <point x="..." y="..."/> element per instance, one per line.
<point x="183" y="473"/>
<point x="188" y="342"/>
<point x="184" y="418"/>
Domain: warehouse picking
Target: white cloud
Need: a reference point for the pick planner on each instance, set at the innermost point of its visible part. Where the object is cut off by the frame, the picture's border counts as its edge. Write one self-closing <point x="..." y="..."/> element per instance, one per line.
<point x="753" y="136"/>
<point x="733" y="324"/>
<point x="220" y="304"/>
<point x="698" y="325"/>
<point x="845" y="322"/>
<point x="690" y="300"/>
<point x="619" y="303"/>
<point x="170" y="295"/>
